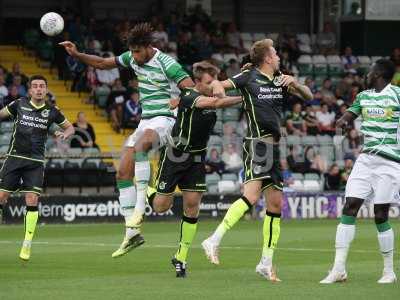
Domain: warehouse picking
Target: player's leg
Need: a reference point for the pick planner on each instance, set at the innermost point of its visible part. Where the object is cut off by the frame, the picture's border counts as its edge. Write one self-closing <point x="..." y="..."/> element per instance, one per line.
<point x="271" y="230"/>
<point x="386" y="241"/>
<point x="127" y="201"/>
<point x="30" y="221"/>
<point x="148" y="140"/>
<point x="345" y="233"/>
<point x="251" y="194"/>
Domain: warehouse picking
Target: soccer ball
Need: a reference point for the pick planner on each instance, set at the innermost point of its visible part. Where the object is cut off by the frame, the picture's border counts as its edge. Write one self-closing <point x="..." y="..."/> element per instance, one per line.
<point x="51" y="24"/>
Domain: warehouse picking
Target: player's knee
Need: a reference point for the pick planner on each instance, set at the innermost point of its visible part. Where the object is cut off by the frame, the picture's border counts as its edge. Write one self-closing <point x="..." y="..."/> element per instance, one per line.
<point x="161" y="206"/>
<point x="381" y="214"/>
<point x="192" y="212"/>
<point x="148" y="140"/>
<point x="352" y="206"/>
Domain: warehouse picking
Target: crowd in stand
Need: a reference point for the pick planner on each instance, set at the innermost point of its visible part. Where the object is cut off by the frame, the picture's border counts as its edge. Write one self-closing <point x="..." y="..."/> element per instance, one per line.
<point x="193" y="37"/>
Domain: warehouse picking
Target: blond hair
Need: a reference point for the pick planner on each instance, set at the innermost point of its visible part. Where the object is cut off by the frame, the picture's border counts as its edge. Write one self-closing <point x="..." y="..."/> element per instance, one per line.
<point x="259" y="50"/>
<point x="202" y="67"/>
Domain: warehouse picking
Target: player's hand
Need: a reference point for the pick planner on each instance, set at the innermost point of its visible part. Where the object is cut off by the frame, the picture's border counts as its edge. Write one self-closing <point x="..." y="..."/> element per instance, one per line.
<point x="173" y="103"/>
<point x="60" y="135"/>
<point x="288" y="80"/>
<point x="69" y="47"/>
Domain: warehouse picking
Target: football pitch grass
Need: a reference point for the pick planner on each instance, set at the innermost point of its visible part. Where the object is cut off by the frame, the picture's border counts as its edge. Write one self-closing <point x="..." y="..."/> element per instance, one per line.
<point x="74" y="262"/>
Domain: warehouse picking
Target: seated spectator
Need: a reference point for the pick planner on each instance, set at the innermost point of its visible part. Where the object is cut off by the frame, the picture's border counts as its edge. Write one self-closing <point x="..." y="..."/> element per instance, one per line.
<point x="231" y="158"/>
<point x="91" y="82"/>
<point x="233" y="68"/>
<point x="326" y="40"/>
<point x="287" y="65"/>
<point x="333" y="179"/>
<point x="76" y="69"/>
<point x="295" y="123"/>
<point x="327" y="87"/>
<point x="233" y="39"/>
<point x="349" y="61"/>
<point x="295" y="159"/>
<point x="12" y="95"/>
<point x="93" y="47"/>
<point x="16" y="71"/>
<point x="107" y="77"/>
<point x="345" y="173"/>
<point x="317" y="99"/>
<point x="117" y="95"/>
<point x="352" y="144"/>
<point x="326" y="120"/>
<point x="311" y="84"/>
<point x="311" y="121"/>
<point x="313" y="161"/>
<point x="287" y="175"/>
<point x="214" y="163"/>
<point x="17" y="82"/>
<point x="85" y="136"/>
<point x="3" y="90"/>
<point x="132" y="111"/>
<point x="292" y="48"/>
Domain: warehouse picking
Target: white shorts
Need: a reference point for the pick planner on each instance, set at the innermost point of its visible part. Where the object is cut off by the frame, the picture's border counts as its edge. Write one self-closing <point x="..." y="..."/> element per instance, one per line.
<point x="162" y="125"/>
<point x="374" y="179"/>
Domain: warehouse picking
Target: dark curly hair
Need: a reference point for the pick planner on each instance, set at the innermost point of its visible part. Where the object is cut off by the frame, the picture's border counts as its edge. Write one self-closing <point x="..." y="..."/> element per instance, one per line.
<point x="140" y="35"/>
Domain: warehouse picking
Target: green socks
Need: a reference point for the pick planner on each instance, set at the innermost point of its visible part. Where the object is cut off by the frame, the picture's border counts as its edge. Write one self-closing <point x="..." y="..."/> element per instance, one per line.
<point x="188" y="231"/>
<point x="31" y="218"/>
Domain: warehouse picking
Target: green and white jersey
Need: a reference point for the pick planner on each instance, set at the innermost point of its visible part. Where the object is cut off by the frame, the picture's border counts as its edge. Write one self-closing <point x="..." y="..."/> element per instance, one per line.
<point x="158" y="80"/>
<point x="380" y="113"/>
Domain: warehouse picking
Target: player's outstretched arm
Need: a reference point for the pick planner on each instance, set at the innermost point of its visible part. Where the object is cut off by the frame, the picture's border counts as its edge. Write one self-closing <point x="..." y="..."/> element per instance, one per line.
<point x="345" y="119"/>
<point x="213" y="102"/>
<point x="91" y="60"/>
<point x="217" y="88"/>
<point x="295" y="88"/>
<point x="68" y="130"/>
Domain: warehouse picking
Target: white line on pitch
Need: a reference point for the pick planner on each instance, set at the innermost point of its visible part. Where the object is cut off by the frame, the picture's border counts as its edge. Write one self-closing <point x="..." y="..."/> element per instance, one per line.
<point x="174" y="246"/>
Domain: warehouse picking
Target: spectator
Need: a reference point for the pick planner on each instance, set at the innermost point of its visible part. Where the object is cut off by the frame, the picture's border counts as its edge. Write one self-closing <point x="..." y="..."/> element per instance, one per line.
<point x="326" y="40"/>
<point x="233" y="39"/>
<point x="173" y="27"/>
<point x="16" y="71"/>
<point x="17" y="82"/>
<point x="287" y="65"/>
<point x="229" y="136"/>
<point x="313" y="162"/>
<point x="311" y="121"/>
<point x="327" y="87"/>
<point x="342" y="110"/>
<point x="3" y="90"/>
<point x="295" y="159"/>
<point x="233" y="68"/>
<point x="311" y="84"/>
<point x="214" y="163"/>
<point x="160" y="36"/>
<point x="333" y="179"/>
<point x="352" y="144"/>
<point x="115" y="105"/>
<point x="132" y="111"/>
<point x="231" y="158"/>
<point x="345" y="173"/>
<point x="316" y="101"/>
<point x="107" y="77"/>
<point x="12" y="95"/>
<point x="91" y="82"/>
<point x="295" y="123"/>
<point x="85" y="136"/>
<point x="349" y="61"/>
<point x="76" y="69"/>
<point x="326" y="120"/>
<point x="293" y="49"/>
<point x="93" y="47"/>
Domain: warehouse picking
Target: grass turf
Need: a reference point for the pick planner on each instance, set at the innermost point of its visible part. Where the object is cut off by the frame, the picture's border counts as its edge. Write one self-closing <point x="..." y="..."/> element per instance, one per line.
<point x="74" y="262"/>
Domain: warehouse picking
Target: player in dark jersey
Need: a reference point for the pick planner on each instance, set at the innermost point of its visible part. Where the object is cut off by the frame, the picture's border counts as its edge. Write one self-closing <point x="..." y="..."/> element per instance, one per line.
<point x="264" y="91"/>
<point x="23" y="168"/>
<point x="182" y="162"/>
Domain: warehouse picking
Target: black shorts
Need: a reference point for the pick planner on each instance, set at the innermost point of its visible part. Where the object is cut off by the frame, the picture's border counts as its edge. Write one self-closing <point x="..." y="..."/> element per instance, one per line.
<point x="261" y="158"/>
<point x="23" y="175"/>
<point x="182" y="169"/>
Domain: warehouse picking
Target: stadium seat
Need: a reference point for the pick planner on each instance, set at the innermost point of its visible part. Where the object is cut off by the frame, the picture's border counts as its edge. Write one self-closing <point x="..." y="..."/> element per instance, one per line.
<point x="304" y="64"/>
<point x="74" y="151"/>
<point x="246" y="37"/>
<point x="101" y="94"/>
<point x="227" y="187"/>
<point x="173" y="46"/>
<point x="247" y="45"/>
<point x="273" y="36"/>
<point x="293" y="140"/>
<point x="218" y="57"/>
<point x="325" y="140"/>
<point x="311" y="185"/>
<point x="230" y="114"/>
<point x="54" y="175"/>
<point x="213" y="178"/>
<point x="228" y="56"/>
<point x="215" y="140"/>
<point x="298" y="176"/>
<point x="230" y="176"/>
<point x="335" y="65"/>
<point x="212" y="189"/>
<point x="3" y="149"/>
<point x="309" y="140"/>
<point x="92" y="151"/>
<point x="218" y="128"/>
<point x="107" y="175"/>
<point x="6" y="127"/>
<point x="365" y="63"/>
<point x="340" y="163"/>
<point x="375" y="58"/>
<point x="320" y="65"/>
<point x="304" y="38"/>
<point x="311" y="176"/>
<point x="297" y="185"/>
<point x="90" y="174"/>
<point x="259" y="36"/>
<point x="305" y="48"/>
<point x="327" y="152"/>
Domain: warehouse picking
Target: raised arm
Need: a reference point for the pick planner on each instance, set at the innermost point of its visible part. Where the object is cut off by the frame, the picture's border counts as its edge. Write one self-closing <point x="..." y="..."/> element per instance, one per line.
<point x="213" y="102"/>
<point x="295" y="88"/>
<point x="217" y="88"/>
<point x="91" y="60"/>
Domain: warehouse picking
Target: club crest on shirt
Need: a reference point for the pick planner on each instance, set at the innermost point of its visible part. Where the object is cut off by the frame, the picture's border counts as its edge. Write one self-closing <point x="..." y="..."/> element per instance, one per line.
<point x="45" y="113"/>
<point x="162" y="185"/>
<point x="278" y="80"/>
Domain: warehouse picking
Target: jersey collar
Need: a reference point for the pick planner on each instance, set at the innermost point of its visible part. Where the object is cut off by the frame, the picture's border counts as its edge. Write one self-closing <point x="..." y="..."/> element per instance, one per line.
<point x="36" y="106"/>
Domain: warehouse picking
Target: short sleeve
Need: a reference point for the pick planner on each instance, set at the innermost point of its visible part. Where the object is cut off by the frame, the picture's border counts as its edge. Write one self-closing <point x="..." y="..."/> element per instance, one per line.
<point x="188" y="98"/>
<point x="172" y="68"/>
<point x="240" y="80"/>
<point x="355" y="108"/>
<point x="12" y="108"/>
<point x="124" y="59"/>
<point x="59" y="117"/>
